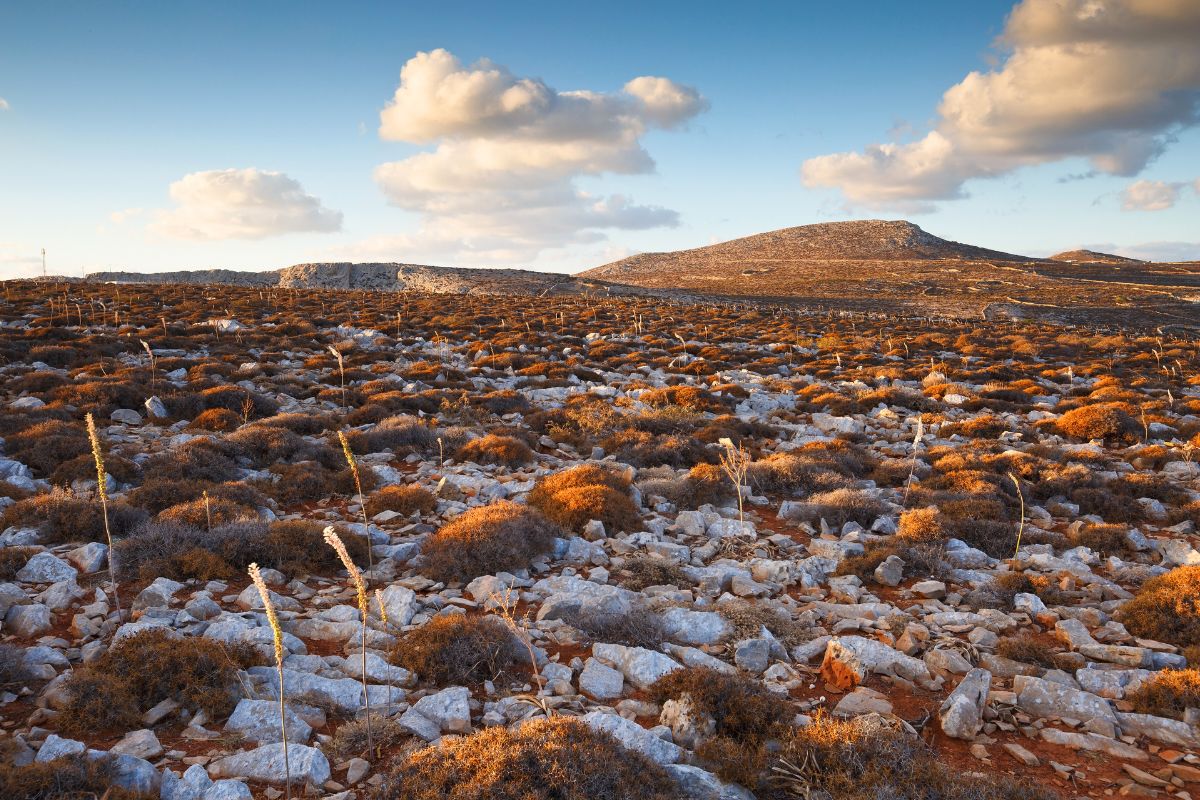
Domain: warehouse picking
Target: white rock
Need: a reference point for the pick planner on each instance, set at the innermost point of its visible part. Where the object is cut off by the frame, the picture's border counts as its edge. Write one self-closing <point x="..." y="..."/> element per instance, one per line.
<point x="634" y="736"/>
<point x="265" y="764"/>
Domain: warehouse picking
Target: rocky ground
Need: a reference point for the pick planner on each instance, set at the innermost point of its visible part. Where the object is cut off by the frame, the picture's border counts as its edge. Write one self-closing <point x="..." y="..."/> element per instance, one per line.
<point x="978" y="537"/>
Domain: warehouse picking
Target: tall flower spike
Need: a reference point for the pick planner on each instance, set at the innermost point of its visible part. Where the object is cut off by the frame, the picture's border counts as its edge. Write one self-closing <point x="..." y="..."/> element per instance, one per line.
<point x="362" y="501"/>
<point x="333" y="540"/>
<point x="102" y="492"/>
<point x="277" y="631"/>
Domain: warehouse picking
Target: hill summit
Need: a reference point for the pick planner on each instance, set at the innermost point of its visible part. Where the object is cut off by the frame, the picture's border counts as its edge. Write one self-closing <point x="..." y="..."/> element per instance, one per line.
<point x="858" y="241"/>
<point x="1092" y="257"/>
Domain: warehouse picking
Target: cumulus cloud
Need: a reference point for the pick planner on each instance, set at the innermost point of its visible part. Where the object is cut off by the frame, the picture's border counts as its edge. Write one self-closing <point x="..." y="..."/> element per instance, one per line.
<point x="1150" y="195"/>
<point x="241" y="204"/>
<point x="500" y="180"/>
<point x="1160" y="251"/>
<point x="1108" y="80"/>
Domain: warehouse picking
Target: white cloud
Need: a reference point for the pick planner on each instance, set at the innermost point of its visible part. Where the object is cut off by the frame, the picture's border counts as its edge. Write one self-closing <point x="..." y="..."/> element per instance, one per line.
<point x="499" y="182"/>
<point x="4" y="106"/>
<point x="18" y="259"/>
<point x="1150" y="195"/>
<point x="1160" y="251"/>
<point x="125" y="214"/>
<point x="241" y="204"/>
<point x="1108" y="80"/>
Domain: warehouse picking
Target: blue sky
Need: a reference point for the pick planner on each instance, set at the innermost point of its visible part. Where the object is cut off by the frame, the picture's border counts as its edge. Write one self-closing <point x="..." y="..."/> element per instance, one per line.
<point x="106" y="106"/>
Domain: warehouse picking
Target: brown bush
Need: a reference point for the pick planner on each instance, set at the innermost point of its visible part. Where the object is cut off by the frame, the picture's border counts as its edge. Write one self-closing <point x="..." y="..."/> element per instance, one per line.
<point x="499" y="537"/>
<point x="637" y="627"/>
<point x="492" y="449"/>
<point x="1107" y="540"/>
<point x="641" y="570"/>
<point x="642" y="449"/>
<point x="457" y="649"/>
<point x="546" y="759"/>
<point x="220" y="420"/>
<point x="61" y="517"/>
<point x="12" y="665"/>
<point x="1100" y="421"/>
<point x="921" y="560"/>
<point x="68" y="778"/>
<point x="844" y="505"/>
<point x="742" y="708"/>
<point x="406" y="500"/>
<point x="350" y="739"/>
<point x="181" y="552"/>
<point x="46" y="445"/>
<point x="203" y="513"/>
<point x="146" y="668"/>
<point x="1025" y="648"/>
<point x="14" y="559"/>
<point x="1168" y="694"/>
<point x="704" y="483"/>
<point x="921" y="525"/>
<point x="1166" y="608"/>
<point x="793" y="472"/>
<point x="861" y="759"/>
<point x="158" y="494"/>
<point x="197" y="460"/>
<point x="575" y="496"/>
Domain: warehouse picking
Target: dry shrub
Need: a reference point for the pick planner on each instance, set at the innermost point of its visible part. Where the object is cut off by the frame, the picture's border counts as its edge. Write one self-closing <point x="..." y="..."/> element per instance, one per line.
<point x="1027" y="649"/>
<point x="12" y="665"/>
<point x="1168" y="694"/>
<point x="494" y="449"/>
<point x="642" y="449"/>
<point x="499" y="537"/>
<point x="201" y="513"/>
<point x="158" y="494"/>
<point x="181" y="552"/>
<point x="844" y="505"/>
<point x="61" y="516"/>
<point x="219" y="420"/>
<point x="1166" y="608"/>
<point x="454" y="649"/>
<point x="793" y="472"/>
<point x="298" y="483"/>
<point x="1004" y="588"/>
<point x="75" y="777"/>
<point x="1100" y="421"/>
<point x="1107" y="540"/>
<point x="584" y="493"/>
<point x="14" y="559"/>
<point x="704" y="483"/>
<point x="641" y="570"/>
<point x="921" y="560"/>
<point x="267" y="445"/>
<point x="406" y="500"/>
<point x="749" y="618"/>
<point x="197" y="460"/>
<point x="146" y="668"/>
<point x="921" y="525"/>
<point x="350" y="739"/>
<point x="691" y="398"/>
<point x="46" y="445"/>
<point x="638" y="627"/>
<point x="742" y="707"/>
<point x="866" y="759"/>
<point x="546" y="759"/>
<point x="986" y="426"/>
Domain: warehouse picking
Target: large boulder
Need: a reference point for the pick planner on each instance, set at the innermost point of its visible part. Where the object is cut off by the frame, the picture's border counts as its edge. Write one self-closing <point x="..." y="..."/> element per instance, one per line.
<point x="634" y="737"/>
<point x="962" y="713"/>
<point x="849" y="659"/>
<point x="265" y="764"/>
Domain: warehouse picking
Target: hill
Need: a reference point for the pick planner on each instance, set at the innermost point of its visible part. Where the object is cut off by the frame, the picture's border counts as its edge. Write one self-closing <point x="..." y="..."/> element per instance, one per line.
<point x="790" y="249"/>
<point x="383" y="277"/>
<point x="1092" y="257"/>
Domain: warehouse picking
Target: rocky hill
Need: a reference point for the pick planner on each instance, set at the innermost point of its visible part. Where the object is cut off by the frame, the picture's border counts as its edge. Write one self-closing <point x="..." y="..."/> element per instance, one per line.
<point x="383" y="277"/>
<point x="797" y="248"/>
<point x="1092" y="257"/>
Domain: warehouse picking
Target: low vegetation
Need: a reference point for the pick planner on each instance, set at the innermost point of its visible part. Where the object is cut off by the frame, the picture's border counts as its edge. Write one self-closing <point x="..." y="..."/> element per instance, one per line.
<point x="545" y="759"/>
<point x="454" y="649"/>
<point x="486" y="540"/>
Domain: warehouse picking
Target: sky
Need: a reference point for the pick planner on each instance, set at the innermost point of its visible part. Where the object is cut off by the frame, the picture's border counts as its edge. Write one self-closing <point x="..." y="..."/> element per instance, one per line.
<point x="560" y="136"/>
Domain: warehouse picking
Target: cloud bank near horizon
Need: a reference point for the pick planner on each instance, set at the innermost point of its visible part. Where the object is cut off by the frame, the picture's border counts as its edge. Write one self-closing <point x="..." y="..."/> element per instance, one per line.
<point x="1111" y="81"/>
